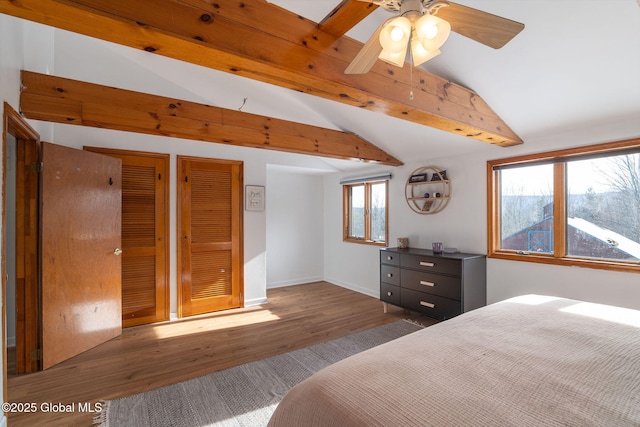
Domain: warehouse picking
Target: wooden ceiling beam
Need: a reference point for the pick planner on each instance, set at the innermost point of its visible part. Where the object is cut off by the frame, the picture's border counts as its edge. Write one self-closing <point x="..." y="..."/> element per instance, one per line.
<point x="267" y="43"/>
<point x="345" y="16"/>
<point x="61" y="100"/>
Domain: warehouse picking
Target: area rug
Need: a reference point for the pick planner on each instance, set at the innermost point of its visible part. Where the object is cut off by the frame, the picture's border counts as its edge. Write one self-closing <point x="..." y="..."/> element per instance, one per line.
<point x="245" y="395"/>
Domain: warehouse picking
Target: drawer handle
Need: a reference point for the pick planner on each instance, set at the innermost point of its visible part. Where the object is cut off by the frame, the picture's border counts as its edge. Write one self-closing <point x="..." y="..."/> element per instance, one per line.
<point x="427" y="304"/>
<point x="389" y="258"/>
<point x="423" y="282"/>
<point x="426" y="264"/>
<point x="389" y="275"/>
<point x="389" y="293"/>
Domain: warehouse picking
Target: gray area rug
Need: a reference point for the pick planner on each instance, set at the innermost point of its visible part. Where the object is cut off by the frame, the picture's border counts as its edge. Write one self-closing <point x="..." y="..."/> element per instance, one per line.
<point x="245" y="395"/>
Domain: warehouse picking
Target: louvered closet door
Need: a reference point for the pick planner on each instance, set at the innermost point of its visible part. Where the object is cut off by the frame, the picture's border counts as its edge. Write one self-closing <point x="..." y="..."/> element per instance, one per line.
<point x="145" y="242"/>
<point x="210" y="230"/>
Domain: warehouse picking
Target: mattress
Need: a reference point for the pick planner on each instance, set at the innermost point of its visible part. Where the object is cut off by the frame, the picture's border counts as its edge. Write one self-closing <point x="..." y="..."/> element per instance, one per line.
<point x="527" y="361"/>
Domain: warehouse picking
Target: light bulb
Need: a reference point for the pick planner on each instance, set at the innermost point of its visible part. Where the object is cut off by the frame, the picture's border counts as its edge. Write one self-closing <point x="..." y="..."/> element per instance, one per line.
<point x="432" y="31"/>
<point x="395" y="34"/>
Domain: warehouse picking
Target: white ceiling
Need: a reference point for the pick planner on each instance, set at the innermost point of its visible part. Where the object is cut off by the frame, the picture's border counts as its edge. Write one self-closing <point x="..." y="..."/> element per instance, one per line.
<point x="575" y="65"/>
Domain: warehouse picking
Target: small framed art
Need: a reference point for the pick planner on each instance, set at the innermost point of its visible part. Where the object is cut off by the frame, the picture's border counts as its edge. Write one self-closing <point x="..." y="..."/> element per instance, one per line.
<point x="422" y="177"/>
<point x="254" y="198"/>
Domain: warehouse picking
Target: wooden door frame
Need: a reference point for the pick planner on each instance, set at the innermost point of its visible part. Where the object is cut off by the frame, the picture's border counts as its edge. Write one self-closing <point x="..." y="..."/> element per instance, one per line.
<point x="15" y="124"/>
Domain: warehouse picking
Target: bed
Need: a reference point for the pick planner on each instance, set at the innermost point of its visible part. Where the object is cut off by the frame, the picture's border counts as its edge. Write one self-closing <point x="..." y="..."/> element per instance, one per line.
<point x="527" y="361"/>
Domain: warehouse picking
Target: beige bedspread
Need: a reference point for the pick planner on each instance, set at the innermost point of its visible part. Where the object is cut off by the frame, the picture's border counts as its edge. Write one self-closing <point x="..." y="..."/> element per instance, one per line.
<point x="527" y="361"/>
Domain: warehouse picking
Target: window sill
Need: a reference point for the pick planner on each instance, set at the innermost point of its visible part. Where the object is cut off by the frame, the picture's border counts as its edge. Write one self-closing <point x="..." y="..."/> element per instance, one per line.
<point x="365" y="242"/>
<point x="568" y="262"/>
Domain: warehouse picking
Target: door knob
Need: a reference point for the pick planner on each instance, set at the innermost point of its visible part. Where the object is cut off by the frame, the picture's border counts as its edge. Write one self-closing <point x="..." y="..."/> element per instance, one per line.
<point x="117" y="251"/>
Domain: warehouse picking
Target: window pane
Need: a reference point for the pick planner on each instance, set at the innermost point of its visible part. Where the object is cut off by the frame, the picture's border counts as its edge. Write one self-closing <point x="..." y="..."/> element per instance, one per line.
<point x="603" y="208"/>
<point x="526" y="208"/>
<point x="356" y="212"/>
<point x="378" y="211"/>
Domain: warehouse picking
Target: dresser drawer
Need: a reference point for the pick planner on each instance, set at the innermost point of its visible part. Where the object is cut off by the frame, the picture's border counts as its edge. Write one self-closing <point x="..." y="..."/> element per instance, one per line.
<point x="390" y="274"/>
<point x="390" y="258"/>
<point x="437" y="284"/>
<point x="431" y="263"/>
<point x="431" y="305"/>
<point x="390" y="294"/>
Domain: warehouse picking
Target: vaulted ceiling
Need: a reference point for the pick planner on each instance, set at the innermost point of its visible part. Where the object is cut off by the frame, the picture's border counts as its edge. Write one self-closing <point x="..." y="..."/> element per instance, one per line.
<point x="556" y="75"/>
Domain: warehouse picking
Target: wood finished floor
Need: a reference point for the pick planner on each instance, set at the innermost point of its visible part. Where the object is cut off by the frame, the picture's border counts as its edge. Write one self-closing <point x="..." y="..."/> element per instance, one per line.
<point x="151" y="356"/>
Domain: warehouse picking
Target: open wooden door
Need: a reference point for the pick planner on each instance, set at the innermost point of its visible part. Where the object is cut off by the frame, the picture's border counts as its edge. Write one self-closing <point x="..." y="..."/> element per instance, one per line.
<point x="80" y="241"/>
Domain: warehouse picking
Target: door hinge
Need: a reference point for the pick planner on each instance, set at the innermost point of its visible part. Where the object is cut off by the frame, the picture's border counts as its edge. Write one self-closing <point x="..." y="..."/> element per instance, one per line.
<point x="36" y="354"/>
<point x="36" y="167"/>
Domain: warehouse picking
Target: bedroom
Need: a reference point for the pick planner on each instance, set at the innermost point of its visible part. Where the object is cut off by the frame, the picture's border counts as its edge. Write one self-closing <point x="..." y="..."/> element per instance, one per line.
<point x="549" y="101"/>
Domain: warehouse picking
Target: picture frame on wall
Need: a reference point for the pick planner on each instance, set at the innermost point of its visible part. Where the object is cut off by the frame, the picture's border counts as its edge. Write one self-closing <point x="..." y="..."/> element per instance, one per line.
<point x="422" y="177"/>
<point x="254" y="198"/>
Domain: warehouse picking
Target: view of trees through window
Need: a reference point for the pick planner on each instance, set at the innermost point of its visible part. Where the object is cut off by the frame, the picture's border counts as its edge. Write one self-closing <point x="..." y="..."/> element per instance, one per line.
<point x="609" y="196"/>
<point x="602" y="208"/>
<point x="367" y="212"/>
<point x="525" y="192"/>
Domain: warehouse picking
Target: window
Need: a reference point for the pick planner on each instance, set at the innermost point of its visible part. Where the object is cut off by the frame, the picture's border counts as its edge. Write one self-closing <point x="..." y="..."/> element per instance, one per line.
<point x="576" y="207"/>
<point x="365" y="211"/>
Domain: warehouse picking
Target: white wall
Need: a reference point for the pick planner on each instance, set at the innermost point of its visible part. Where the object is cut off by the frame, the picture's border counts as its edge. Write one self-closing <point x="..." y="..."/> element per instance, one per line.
<point x="295" y="224"/>
<point x="86" y="59"/>
<point x="83" y="58"/>
<point x="463" y="224"/>
<point x="309" y="238"/>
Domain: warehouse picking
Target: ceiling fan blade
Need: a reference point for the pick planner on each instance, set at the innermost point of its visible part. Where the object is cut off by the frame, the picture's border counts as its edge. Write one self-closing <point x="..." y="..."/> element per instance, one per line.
<point x="486" y="28"/>
<point x="345" y="16"/>
<point x="367" y="56"/>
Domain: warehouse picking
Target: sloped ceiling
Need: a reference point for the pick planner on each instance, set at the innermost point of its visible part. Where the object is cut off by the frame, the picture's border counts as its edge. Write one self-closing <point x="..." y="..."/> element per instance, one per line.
<point x="575" y="65"/>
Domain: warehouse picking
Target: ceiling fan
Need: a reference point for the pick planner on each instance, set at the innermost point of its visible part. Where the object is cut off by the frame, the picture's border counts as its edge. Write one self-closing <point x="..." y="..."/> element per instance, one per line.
<point x="422" y="27"/>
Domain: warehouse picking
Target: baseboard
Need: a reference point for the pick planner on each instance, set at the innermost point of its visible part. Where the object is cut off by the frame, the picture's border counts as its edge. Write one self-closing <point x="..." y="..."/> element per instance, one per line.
<point x="300" y="281"/>
<point x="255" y="301"/>
<point x="260" y="301"/>
<point x="352" y="287"/>
<point x="247" y="303"/>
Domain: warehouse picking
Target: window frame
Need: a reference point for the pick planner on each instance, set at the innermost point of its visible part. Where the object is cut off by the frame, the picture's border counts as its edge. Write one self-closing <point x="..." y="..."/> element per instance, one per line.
<point x="559" y="158"/>
<point x="346" y="212"/>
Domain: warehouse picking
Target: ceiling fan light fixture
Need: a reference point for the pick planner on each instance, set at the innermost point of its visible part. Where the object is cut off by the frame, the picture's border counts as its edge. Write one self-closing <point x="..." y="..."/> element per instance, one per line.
<point x="419" y="54"/>
<point x="394" y="58"/>
<point x="432" y="31"/>
<point x="394" y="37"/>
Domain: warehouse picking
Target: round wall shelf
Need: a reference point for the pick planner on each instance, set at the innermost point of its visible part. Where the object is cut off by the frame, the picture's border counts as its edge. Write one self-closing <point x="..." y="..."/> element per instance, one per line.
<point x="428" y="190"/>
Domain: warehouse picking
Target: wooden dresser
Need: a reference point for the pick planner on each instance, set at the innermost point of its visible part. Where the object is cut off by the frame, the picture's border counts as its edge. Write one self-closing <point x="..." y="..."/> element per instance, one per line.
<point x="440" y="286"/>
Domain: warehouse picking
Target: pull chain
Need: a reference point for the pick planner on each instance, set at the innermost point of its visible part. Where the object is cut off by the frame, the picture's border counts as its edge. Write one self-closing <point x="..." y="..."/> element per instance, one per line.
<point x="411" y="80"/>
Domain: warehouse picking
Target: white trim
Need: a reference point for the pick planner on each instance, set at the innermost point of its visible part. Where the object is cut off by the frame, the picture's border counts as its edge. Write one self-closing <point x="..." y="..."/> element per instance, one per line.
<point x="255" y="301"/>
<point x="356" y="288"/>
<point x="248" y="303"/>
<point x="293" y="282"/>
